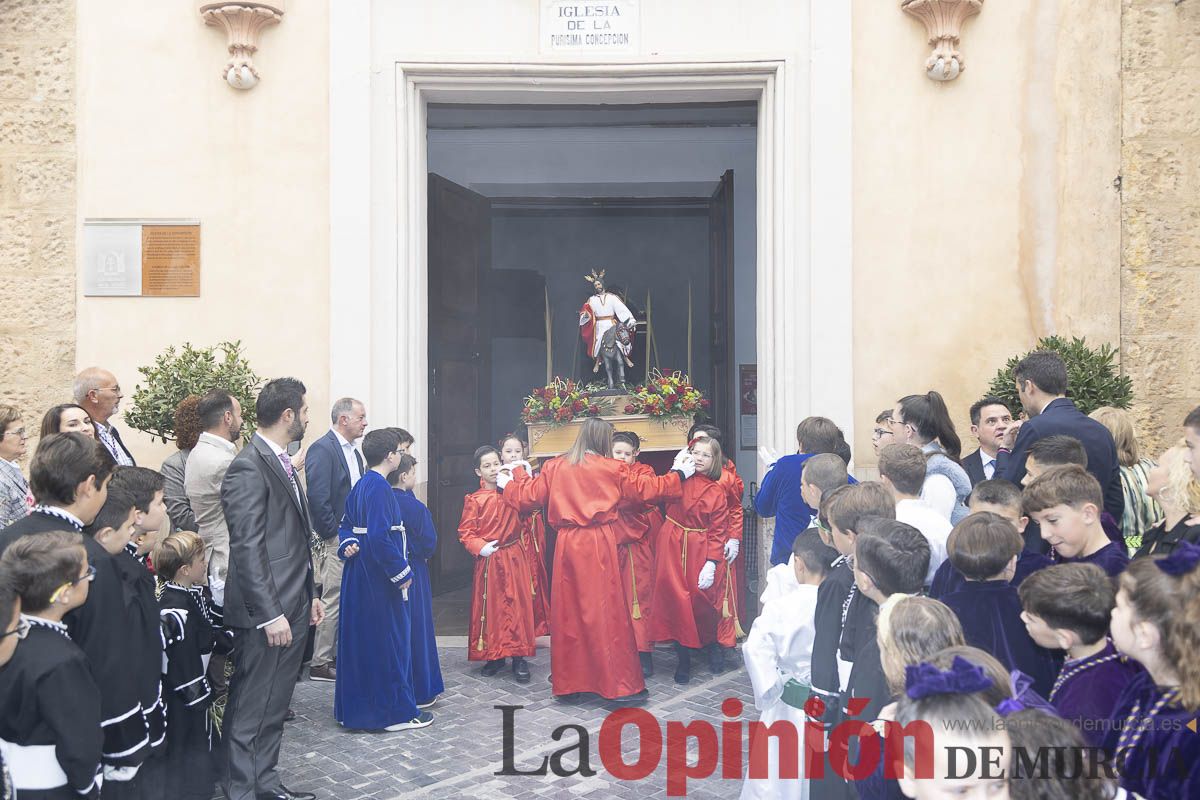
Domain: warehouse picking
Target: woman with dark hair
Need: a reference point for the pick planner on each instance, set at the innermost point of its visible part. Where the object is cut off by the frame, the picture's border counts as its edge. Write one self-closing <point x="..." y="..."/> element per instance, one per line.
<point x="187" y="431"/>
<point x="67" y="418"/>
<point x="593" y="647"/>
<point x="924" y="420"/>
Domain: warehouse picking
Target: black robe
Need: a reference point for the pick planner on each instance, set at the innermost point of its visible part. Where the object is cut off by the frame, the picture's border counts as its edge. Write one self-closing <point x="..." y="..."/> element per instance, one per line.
<point x="50" y="717"/>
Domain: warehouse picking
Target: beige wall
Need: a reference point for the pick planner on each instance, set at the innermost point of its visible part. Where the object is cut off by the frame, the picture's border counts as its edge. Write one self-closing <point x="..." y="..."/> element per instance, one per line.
<point x="984" y="211"/>
<point x="37" y="204"/>
<point x="1161" y="222"/>
<point x="162" y="135"/>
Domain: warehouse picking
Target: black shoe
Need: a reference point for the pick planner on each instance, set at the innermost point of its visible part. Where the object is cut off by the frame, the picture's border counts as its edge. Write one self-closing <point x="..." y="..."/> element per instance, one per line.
<point x="716" y="659"/>
<point x="638" y="699"/>
<point x="285" y="793"/>
<point x="492" y="667"/>
<point x="647" y="660"/>
<point x="574" y="698"/>
<point x="520" y="670"/>
<point x="683" y="667"/>
<point x="288" y="717"/>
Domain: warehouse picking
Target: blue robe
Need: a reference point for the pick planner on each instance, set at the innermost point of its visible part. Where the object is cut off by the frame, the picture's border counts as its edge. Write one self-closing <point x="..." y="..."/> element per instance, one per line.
<point x="374" y="653"/>
<point x="948" y="579"/>
<point x="1112" y="558"/>
<point x="990" y="613"/>
<point x="779" y="496"/>
<point x="1165" y="762"/>
<point x="422" y="542"/>
<point x="1086" y="699"/>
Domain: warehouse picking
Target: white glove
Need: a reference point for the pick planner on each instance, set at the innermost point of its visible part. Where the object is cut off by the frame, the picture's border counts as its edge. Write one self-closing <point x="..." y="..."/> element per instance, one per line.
<point x="708" y="574"/>
<point x="488" y="549"/>
<point x="217" y="586"/>
<point x="768" y="455"/>
<point x="503" y="477"/>
<point x="684" y="463"/>
<point x="731" y="549"/>
<point x="516" y="464"/>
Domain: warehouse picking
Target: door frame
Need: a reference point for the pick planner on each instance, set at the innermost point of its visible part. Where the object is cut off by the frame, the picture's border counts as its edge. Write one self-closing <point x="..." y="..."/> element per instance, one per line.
<point x="378" y="169"/>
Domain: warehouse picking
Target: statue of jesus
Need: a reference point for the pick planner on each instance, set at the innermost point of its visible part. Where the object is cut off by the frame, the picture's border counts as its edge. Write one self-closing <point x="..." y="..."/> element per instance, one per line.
<point x="602" y="311"/>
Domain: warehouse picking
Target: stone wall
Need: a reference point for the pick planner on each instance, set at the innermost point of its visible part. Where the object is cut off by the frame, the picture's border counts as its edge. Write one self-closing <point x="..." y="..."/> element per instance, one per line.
<point x="37" y="204"/>
<point x="1160" y="276"/>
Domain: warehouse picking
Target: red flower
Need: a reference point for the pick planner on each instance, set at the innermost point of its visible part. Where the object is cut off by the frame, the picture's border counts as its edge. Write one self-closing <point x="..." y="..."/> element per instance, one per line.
<point x="629" y="409"/>
<point x="704" y="404"/>
<point x="594" y="409"/>
<point x="577" y="406"/>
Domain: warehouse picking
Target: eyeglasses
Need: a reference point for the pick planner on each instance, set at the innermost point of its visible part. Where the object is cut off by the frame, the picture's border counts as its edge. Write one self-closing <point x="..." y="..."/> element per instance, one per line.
<point x="116" y="389"/>
<point x="21" y="631"/>
<point x="879" y="433"/>
<point x="88" y="576"/>
<point x="20" y="434"/>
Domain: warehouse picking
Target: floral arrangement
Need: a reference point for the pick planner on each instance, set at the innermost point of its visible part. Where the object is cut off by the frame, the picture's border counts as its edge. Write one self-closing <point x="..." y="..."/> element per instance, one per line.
<point x="667" y="396"/>
<point x="559" y="402"/>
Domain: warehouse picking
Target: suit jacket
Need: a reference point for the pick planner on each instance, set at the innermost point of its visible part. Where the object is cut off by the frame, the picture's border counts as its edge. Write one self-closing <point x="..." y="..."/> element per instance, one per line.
<point x="270" y="568"/>
<point x="203" y="473"/>
<point x="116" y="435"/>
<point x="973" y="464"/>
<point x="1062" y="417"/>
<point x="178" y="508"/>
<point x="328" y="480"/>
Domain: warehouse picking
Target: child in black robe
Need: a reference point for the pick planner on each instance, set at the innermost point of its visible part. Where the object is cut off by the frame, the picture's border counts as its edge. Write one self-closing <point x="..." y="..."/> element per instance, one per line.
<point x="49" y="702"/>
<point x="189" y="626"/>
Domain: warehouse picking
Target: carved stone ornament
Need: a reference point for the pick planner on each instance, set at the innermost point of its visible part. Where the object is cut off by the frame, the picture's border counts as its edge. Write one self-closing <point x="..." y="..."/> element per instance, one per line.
<point x="243" y="23"/>
<point x="943" y="22"/>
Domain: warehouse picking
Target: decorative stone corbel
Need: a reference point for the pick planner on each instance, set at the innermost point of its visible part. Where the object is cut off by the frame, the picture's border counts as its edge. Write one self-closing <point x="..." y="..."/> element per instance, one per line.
<point x="943" y="22"/>
<point x="243" y="23"/>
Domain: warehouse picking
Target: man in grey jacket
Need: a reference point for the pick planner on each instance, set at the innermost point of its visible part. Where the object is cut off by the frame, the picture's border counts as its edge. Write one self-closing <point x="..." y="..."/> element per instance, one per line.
<point x="221" y="419"/>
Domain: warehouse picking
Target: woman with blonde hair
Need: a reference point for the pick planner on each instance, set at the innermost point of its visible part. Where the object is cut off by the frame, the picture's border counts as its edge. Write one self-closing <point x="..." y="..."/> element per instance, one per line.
<point x="1140" y="509"/>
<point x="1177" y="491"/>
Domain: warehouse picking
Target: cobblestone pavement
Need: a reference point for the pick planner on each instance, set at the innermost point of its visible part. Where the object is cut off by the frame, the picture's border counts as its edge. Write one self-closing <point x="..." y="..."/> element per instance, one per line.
<point x="458" y="756"/>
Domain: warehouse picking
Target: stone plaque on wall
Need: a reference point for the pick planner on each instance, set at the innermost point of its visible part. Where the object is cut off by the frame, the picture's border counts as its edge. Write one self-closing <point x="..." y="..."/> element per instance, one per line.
<point x="590" y="27"/>
<point x="141" y="258"/>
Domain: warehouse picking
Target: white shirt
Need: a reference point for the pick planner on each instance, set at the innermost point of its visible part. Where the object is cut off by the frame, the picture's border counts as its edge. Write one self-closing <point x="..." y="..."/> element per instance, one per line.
<point x="932" y="525"/>
<point x="348" y="449"/>
<point x="938" y="492"/>
<point x="989" y="465"/>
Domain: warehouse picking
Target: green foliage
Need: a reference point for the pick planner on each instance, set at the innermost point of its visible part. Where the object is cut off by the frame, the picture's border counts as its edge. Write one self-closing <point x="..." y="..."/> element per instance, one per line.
<point x="1093" y="380"/>
<point x="177" y="374"/>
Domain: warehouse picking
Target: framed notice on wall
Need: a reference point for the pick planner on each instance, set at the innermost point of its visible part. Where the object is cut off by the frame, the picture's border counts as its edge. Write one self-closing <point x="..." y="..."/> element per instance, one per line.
<point x="141" y="258"/>
<point x="748" y="406"/>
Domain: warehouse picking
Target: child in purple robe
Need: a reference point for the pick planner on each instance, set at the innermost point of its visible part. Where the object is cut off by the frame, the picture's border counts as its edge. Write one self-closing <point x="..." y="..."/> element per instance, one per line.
<point x="1067" y="503"/>
<point x="1154" y="623"/>
<point x="1067" y="607"/>
<point x="1001" y="497"/>
<point x="984" y="548"/>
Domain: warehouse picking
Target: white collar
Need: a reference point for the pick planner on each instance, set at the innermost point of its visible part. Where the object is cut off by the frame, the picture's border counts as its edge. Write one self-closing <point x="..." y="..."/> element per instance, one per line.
<point x="47" y="623"/>
<point x="61" y="513"/>
<point x="276" y="449"/>
<point x="217" y="441"/>
<point x="342" y="440"/>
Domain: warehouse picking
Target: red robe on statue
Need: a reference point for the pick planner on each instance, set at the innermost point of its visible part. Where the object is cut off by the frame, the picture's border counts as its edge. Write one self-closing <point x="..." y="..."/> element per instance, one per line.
<point x="502" y="599"/>
<point x="694" y="532"/>
<point x="593" y="648"/>
<point x="637" y="561"/>
<point x="730" y="627"/>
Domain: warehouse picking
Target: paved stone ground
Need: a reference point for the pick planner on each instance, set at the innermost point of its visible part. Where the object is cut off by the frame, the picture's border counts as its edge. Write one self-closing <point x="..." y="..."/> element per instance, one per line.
<point x="458" y="756"/>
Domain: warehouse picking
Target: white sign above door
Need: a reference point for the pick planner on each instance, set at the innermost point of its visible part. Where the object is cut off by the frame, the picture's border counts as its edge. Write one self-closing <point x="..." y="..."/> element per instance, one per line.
<point x="595" y="28"/>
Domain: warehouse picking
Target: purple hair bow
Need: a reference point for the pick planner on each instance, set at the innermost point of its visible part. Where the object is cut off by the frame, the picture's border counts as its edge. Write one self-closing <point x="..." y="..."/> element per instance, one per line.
<point x="1023" y="696"/>
<point x="1183" y="559"/>
<point x="963" y="677"/>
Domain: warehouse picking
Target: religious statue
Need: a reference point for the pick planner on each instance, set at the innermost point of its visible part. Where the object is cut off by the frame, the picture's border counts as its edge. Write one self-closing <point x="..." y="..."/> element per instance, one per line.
<point x="607" y="327"/>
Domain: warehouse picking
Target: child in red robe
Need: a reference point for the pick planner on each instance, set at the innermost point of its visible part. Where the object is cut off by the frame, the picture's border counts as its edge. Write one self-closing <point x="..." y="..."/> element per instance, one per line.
<point x="593" y="648"/>
<point x="502" y="623"/>
<point x="689" y="589"/>
<point x="533" y="540"/>
<point x="637" y="556"/>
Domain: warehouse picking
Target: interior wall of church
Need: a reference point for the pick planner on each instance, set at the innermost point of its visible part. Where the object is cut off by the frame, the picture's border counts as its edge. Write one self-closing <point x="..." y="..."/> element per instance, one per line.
<point x="162" y="135"/>
<point x="985" y="211"/>
<point x="37" y="204"/>
<point x="1161" y="215"/>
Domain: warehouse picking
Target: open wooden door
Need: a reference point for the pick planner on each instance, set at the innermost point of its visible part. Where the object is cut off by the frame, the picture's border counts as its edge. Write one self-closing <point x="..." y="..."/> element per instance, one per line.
<point x="720" y="260"/>
<point x="459" y="364"/>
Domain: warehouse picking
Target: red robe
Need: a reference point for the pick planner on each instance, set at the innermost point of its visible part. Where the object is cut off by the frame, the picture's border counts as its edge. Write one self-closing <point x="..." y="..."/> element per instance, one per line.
<point x="533" y="539"/>
<point x="729" y="630"/>
<point x="501" y="600"/>
<point x="637" y="561"/>
<point x="593" y="648"/>
<point x="695" y="530"/>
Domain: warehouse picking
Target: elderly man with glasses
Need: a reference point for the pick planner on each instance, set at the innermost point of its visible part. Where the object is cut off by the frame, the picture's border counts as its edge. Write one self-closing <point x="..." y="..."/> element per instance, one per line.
<point x="98" y="393"/>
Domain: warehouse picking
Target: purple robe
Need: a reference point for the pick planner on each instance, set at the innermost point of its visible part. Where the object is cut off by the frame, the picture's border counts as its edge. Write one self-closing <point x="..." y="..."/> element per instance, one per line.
<point x="948" y="579"/>
<point x="1165" y="762"/>
<point x="990" y="613"/>
<point x="1112" y="558"/>
<point x="1086" y="699"/>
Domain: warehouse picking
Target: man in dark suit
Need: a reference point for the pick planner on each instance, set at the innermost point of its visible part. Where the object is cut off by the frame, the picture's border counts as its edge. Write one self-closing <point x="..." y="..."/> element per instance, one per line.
<point x="1041" y="380"/>
<point x="268" y="592"/>
<point x="332" y="466"/>
<point x="96" y="391"/>
<point x="990" y="418"/>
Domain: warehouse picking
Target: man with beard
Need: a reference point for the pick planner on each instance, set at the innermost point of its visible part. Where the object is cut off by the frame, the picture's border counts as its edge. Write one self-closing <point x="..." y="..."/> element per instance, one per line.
<point x="220" y="416"/>
<point x="269" y="599"/>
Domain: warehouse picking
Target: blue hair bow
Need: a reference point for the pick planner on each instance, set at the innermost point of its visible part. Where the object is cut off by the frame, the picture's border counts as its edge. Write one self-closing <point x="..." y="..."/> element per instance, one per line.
<point x="1183" y="559"/>
<point x="1023" y="696"/>
<point x="926" y="680"/>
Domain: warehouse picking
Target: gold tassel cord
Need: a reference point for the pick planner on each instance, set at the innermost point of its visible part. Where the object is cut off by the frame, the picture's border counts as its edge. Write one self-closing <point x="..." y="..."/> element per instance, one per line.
<point x="725" y="611"/>
<point x="683" y="549"/>
<point x="483" y="614"/>
<point x="637" y="607"/>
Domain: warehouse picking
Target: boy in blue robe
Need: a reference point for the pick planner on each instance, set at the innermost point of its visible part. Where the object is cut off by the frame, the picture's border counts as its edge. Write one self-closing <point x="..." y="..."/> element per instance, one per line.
<point x="1068" y="502"/>
<point x="984" y="548"/>
<point x="422" y="542"/>
<point x="374" y="689"/>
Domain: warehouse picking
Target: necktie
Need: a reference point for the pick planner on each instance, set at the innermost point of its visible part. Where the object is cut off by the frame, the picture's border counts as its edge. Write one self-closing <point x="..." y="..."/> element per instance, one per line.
<point x="358" y="459"/>
<point x="989" y="469"/>
<point x="286" y="461"/>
